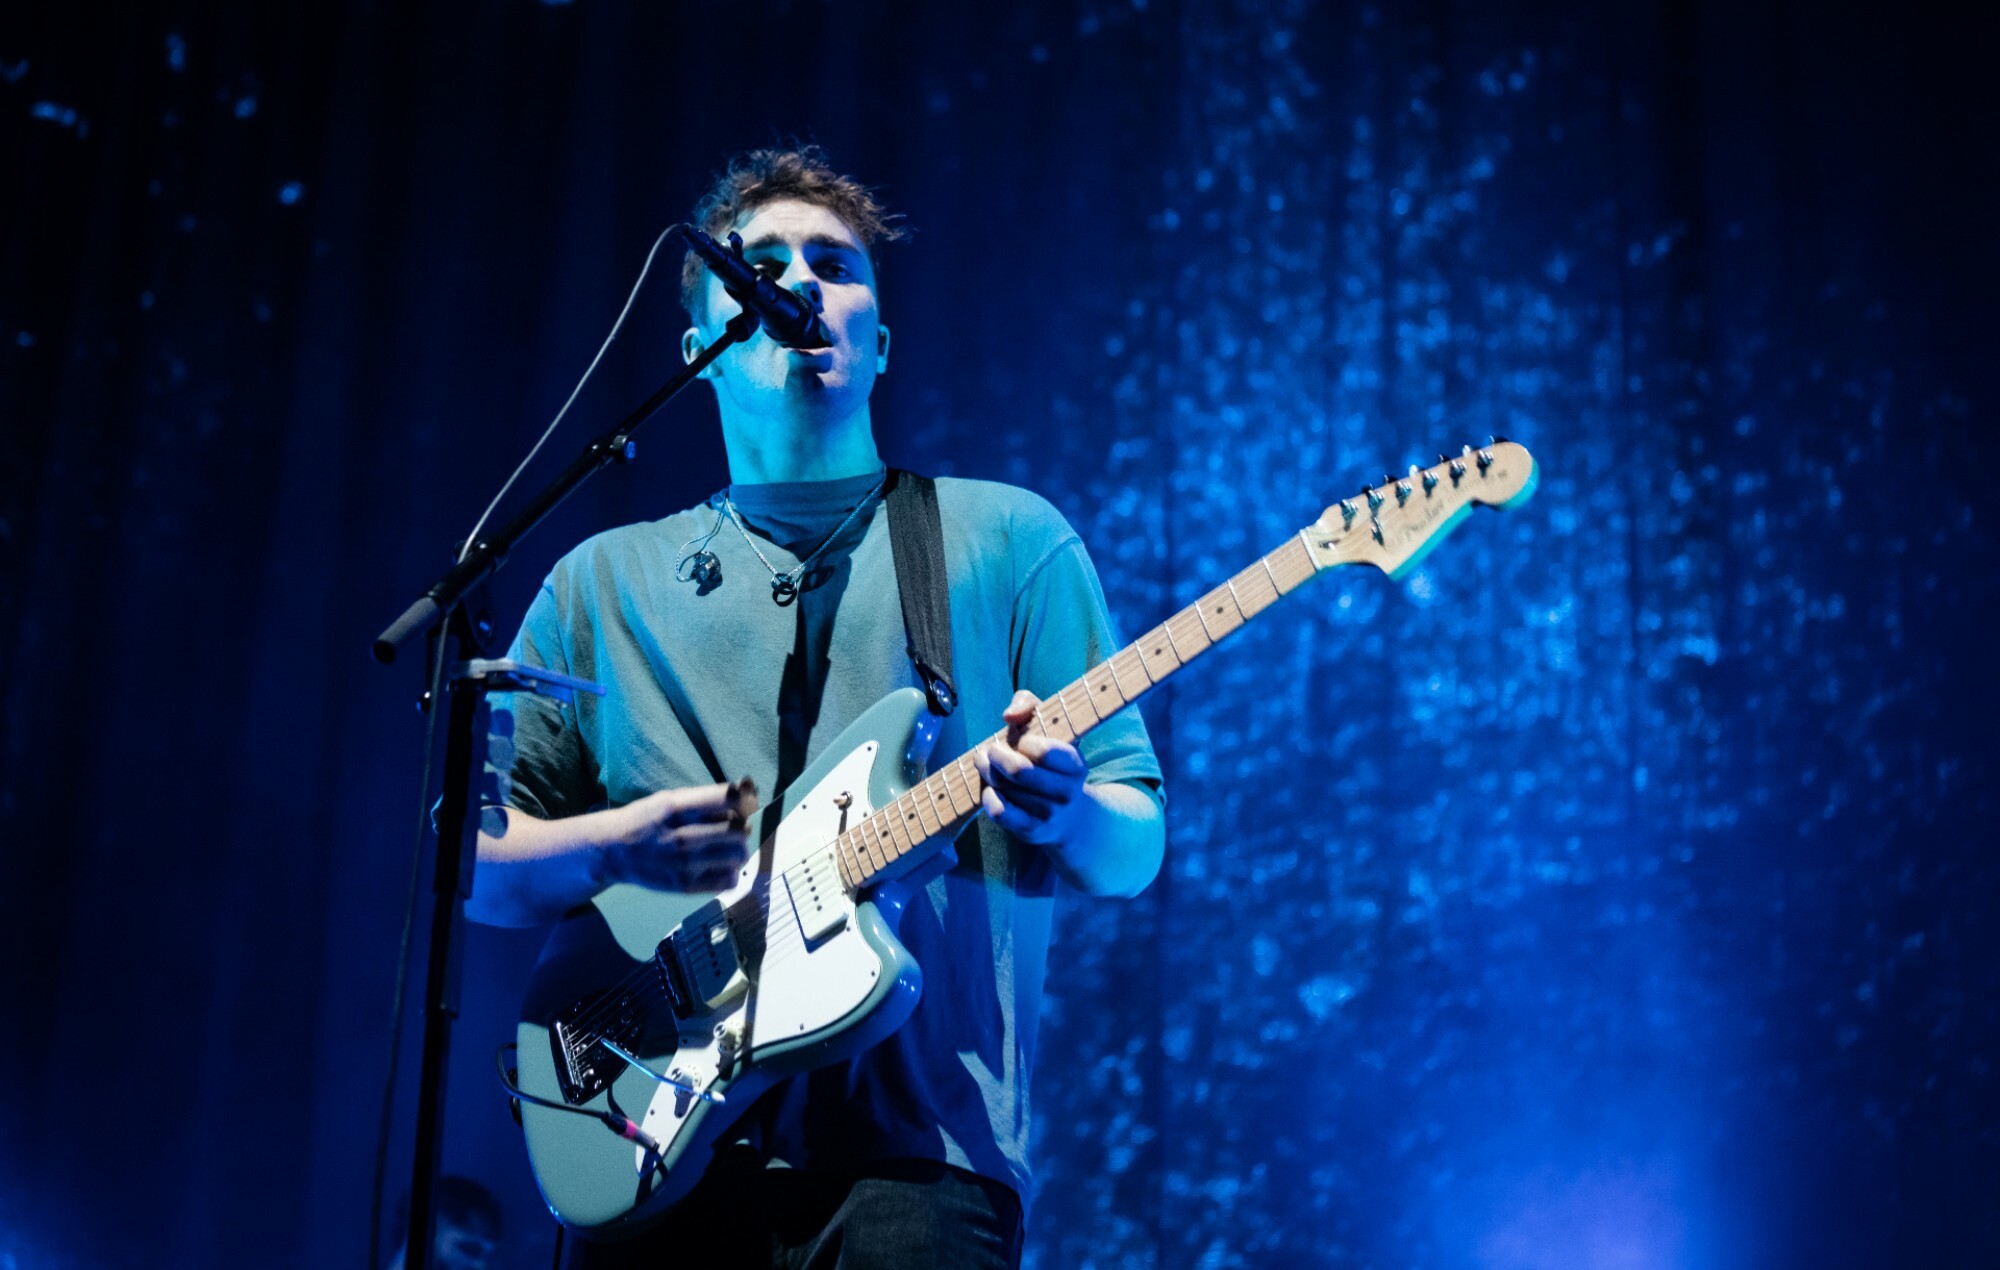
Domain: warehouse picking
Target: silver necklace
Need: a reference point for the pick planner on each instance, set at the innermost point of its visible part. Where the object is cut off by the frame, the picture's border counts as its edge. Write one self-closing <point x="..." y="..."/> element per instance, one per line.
<point x="785" y="585"/>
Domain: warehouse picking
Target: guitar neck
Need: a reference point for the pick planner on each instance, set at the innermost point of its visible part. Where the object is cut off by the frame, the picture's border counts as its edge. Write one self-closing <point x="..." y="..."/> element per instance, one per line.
<point x="901" y="834"/>
<point x="1390" y="526"/>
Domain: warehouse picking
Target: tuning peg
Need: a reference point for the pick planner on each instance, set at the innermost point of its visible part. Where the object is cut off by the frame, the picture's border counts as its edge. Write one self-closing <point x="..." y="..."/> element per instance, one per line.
<point x="1457" y="468"/>
<point x="1373" y="496"/>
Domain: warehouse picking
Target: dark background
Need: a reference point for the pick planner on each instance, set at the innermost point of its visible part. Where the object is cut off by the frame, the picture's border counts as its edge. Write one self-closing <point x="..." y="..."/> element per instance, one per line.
<point x="1615" y="891"/>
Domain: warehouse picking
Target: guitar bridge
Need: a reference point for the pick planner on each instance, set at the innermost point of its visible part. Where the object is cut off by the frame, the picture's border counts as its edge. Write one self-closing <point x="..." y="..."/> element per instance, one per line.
<point x="584" y="1066"/>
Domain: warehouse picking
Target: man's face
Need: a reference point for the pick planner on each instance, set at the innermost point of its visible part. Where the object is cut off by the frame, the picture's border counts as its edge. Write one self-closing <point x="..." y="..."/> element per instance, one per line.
<point x="805" y="249"/>
<point x="466" y="1247"/>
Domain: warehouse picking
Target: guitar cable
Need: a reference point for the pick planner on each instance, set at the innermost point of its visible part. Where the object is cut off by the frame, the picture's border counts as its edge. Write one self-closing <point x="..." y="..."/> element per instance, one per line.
<point x="611" y="1118"/>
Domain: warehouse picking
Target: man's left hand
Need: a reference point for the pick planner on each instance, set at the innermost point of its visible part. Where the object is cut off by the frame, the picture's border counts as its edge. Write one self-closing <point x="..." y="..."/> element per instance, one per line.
<point x="1034" y="786"/>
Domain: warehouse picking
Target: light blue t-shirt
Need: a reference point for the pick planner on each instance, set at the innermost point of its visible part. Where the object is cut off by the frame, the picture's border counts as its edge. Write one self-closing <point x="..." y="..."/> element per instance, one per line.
<point x="770" y="686"/>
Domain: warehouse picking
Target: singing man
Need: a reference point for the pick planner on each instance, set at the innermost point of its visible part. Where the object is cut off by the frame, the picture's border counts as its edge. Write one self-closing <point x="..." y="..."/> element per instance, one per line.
<point x="737" y="639"/>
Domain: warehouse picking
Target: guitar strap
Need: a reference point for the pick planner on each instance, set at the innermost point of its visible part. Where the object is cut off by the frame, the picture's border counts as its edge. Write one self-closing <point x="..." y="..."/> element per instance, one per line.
<point x="916" y="535"/>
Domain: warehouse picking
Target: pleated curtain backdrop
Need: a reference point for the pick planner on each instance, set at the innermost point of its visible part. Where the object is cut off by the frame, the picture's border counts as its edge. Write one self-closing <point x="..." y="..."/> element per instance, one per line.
<point x="1612" y="890"/>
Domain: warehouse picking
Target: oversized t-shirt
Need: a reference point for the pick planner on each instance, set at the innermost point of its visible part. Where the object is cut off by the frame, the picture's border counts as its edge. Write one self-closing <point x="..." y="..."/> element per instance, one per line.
<point x="768" y="687"/>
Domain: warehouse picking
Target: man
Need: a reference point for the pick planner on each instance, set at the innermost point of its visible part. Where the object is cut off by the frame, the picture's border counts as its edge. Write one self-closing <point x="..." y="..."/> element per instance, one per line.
<point x="738" y="639"/>
<point x="469" y="1227"/>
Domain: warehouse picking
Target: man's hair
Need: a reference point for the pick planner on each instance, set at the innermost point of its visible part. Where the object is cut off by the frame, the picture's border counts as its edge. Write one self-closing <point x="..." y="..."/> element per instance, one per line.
<point x="799" y="172"/>
<point x="461" y="1201"/>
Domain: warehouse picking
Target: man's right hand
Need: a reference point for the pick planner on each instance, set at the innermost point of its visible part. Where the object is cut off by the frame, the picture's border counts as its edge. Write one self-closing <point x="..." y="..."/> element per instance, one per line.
<point x="532" y="871"/>
<point x="682" y="839"/>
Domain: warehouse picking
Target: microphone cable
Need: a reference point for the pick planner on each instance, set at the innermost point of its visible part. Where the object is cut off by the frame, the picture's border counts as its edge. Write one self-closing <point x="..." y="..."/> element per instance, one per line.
<point x="574" y="393"/>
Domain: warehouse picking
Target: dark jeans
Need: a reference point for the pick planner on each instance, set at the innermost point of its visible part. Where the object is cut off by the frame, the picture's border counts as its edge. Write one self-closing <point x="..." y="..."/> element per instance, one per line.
<point x="892" y="1215"/>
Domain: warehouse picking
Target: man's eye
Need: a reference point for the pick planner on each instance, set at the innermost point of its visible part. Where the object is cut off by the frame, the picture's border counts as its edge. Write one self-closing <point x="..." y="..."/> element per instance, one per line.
<point x="835" y="269"/>
<point x="769" y="268"/>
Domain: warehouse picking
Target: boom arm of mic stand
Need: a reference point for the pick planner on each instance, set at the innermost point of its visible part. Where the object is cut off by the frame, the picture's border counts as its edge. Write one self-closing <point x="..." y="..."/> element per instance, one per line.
<point x="484" y="557"/>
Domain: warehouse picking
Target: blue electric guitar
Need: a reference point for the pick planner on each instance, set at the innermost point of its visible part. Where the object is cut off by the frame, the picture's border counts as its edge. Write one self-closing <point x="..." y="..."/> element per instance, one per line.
<point x="653" y="1019"/>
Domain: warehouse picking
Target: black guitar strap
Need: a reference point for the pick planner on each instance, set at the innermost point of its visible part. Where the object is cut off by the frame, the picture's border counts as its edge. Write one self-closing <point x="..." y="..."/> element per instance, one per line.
<point x="916" y="535"/>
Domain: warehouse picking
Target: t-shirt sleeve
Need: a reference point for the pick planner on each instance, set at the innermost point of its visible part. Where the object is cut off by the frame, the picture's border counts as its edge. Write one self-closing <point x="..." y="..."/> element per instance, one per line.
<point x="1062" y="627"/>
<point x="553" y="774"/>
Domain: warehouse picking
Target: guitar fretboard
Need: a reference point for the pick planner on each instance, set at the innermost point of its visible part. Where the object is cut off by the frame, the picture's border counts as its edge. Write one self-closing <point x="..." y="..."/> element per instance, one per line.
<point x="898" y="835"/>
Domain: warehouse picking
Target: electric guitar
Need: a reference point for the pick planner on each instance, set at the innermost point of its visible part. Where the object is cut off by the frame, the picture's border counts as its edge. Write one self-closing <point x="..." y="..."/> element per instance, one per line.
<point x="653" y="1019"/>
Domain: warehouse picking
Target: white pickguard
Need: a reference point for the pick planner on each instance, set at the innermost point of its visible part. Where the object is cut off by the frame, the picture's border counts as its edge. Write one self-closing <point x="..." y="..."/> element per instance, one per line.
<point x="799" y="986"/>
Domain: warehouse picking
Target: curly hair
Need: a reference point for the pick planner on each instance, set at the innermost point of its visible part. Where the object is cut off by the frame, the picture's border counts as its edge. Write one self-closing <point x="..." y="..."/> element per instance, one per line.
<point x="801" y="172"/>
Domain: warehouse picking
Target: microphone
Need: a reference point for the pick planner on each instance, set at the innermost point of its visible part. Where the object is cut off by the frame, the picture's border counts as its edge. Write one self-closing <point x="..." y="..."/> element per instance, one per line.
<point x="792" y="321"/>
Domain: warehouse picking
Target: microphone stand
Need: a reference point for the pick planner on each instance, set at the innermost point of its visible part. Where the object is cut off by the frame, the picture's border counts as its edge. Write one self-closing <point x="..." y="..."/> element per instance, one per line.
<point x="467" y="722"/>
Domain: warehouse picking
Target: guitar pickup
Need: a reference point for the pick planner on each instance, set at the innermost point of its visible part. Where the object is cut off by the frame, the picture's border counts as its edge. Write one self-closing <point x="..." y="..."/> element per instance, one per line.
<point x="699" y="967"/>
<point x="819" y="900"/>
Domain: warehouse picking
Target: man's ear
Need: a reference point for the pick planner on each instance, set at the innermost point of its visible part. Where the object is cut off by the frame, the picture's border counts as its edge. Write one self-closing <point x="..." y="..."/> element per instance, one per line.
<point x="881" y="349"/>
<point x="692" y="346"/>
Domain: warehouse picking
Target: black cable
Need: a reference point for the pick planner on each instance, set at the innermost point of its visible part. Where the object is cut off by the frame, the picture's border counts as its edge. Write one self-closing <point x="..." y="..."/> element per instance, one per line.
<point x="433" y="702"/>
<point x="614" y="1120"/>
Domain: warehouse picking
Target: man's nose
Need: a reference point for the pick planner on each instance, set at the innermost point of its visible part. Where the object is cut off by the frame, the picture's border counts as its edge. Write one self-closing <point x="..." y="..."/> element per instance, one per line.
<point x="807" y="289"/>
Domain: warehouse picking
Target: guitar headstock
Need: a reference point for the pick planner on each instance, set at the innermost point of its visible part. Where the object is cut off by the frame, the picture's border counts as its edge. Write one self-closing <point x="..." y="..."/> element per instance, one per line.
<point x="1392" y="525"/>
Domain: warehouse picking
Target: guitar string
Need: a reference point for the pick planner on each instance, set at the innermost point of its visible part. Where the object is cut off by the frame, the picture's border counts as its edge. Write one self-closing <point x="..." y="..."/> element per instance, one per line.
<point x="789" y="938"/>
<point x="780" y="945"/>
<point x="647" y="972"/>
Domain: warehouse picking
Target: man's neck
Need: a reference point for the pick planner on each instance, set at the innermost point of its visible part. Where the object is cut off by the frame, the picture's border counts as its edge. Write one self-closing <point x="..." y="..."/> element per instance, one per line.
<point x="764" y="451"/>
